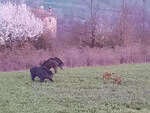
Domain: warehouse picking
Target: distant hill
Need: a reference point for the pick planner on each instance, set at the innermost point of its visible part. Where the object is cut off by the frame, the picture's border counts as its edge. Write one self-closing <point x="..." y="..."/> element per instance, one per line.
<point x="79" y="8"/>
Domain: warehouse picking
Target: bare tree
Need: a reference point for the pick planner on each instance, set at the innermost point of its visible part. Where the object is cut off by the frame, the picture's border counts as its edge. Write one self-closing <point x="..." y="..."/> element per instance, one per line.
<point x="144" y="1"/>
<point x="93" y="26"/>
<point x="122" y="21"/>
<point x="93" y="22"/>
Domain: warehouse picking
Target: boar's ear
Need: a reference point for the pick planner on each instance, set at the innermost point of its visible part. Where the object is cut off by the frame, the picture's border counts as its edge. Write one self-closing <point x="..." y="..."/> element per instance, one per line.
<point x="42" y="61"/>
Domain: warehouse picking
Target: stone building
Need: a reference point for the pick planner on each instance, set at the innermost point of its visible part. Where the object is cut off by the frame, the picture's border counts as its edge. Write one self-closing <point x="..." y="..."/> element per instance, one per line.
<point x="49" y="19"/>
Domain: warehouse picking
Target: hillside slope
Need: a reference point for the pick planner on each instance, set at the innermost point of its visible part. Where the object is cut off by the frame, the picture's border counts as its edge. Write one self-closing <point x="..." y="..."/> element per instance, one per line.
<point x="78" y="90"/>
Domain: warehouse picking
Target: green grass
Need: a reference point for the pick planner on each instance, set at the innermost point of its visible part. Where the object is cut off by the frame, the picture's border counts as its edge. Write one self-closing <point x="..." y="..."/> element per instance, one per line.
<point x="78" y="90"/>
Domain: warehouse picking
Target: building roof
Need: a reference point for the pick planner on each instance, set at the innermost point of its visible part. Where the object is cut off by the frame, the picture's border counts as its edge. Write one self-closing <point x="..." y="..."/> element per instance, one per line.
<point x="42" y="13"/>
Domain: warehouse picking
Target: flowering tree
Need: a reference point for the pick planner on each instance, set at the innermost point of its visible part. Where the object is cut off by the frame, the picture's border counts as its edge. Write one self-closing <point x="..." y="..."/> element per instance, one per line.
<point x="17" y="22"/>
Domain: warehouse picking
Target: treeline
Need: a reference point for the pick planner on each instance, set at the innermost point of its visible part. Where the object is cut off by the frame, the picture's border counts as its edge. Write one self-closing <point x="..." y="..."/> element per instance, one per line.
<point x="103" y="38"/>
<point x="109" y="28"/>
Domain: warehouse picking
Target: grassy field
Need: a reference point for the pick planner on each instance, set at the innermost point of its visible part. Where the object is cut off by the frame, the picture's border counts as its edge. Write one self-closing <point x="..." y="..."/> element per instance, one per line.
<point x="78" y="90"/>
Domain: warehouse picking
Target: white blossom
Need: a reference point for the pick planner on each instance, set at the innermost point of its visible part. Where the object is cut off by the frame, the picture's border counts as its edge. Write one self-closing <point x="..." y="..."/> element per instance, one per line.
<point x="18" y="22"/>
